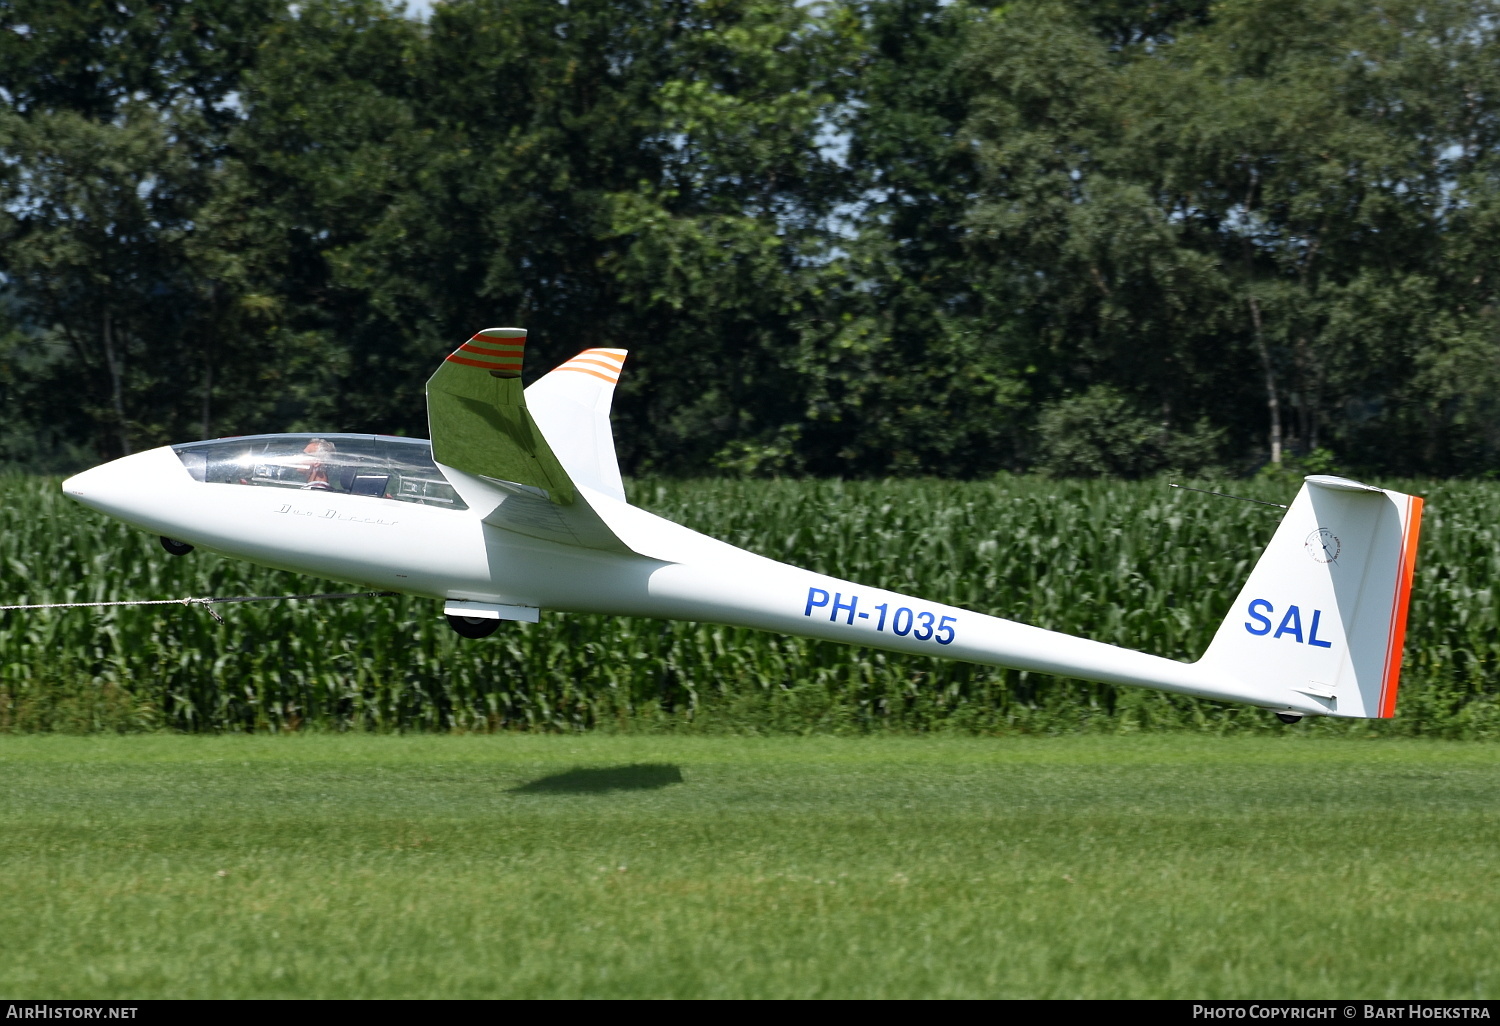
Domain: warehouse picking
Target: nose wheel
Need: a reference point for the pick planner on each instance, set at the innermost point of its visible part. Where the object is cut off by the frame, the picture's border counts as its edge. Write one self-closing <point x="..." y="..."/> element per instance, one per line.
<point x="473" y="626"/>
<point x="175" y="547"/>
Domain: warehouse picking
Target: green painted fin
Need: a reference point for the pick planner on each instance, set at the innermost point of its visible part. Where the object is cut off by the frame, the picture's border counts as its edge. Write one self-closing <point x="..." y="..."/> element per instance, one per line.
<point x="476" y="413"/>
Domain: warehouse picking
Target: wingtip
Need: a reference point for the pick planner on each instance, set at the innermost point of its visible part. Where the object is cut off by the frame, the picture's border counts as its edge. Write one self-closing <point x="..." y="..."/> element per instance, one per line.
<point x="500" y="351"/>
<point x="604" y="364"/>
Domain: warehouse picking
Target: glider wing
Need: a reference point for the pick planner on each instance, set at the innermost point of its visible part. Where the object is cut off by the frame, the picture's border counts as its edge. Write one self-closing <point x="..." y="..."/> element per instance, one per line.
<point x="571" y="406"/>
<point x="477" y="414"/>
<point x="541" y="462"/>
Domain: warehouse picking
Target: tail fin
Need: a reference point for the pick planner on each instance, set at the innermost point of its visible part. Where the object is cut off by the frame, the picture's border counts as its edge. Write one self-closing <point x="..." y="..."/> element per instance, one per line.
<point x="571" y="406"/>
<point x="1324" y="611"/>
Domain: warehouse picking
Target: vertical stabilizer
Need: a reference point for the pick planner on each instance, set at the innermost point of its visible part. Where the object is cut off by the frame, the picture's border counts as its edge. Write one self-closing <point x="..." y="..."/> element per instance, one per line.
<point x="1324" y="611"/>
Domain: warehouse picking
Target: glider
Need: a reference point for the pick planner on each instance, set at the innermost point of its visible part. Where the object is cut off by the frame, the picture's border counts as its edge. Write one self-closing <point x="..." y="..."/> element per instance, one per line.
<point x="516" y="506"/>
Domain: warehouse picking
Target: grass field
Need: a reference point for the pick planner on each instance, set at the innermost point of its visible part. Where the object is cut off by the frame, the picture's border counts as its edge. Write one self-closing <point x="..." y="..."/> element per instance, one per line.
<point x="533" y="865"/>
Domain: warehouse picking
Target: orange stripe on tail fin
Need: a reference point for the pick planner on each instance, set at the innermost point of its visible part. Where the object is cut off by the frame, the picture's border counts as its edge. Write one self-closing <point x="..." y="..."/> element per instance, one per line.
<point x="598" y="365"/>
<point x="590" y="373"/>
<point x="1397" y="642"/>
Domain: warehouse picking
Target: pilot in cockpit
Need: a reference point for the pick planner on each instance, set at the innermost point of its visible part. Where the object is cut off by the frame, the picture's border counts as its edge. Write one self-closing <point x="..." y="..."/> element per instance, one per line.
<point x="314" y="462"/>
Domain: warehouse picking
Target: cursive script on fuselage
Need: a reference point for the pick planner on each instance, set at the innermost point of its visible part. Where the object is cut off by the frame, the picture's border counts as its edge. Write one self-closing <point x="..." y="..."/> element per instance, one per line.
<point x="333" y="514"/>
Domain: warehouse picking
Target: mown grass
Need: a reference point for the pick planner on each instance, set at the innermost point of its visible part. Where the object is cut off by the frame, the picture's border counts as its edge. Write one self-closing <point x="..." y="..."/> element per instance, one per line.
<point x="531" y="865"/>
<point x="1132" y="563"/>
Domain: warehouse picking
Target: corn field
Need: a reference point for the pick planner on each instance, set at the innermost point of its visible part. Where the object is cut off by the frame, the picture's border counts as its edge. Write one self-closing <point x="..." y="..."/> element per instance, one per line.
<point x="1131" y="563"/>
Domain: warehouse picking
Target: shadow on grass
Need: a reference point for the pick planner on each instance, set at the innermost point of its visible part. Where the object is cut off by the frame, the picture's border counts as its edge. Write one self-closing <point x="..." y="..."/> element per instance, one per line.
<point x="645" y="777"/>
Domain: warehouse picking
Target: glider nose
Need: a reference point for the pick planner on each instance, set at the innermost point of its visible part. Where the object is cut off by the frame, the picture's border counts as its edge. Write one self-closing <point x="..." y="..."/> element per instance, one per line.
<point x="77" y="486"/>
<point x="80" y="487"/>
<point x="123" y="487"/>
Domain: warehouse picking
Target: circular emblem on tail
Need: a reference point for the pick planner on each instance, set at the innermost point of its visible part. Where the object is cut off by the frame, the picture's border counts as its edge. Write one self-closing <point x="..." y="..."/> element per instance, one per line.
<point x="1323" y="546"/>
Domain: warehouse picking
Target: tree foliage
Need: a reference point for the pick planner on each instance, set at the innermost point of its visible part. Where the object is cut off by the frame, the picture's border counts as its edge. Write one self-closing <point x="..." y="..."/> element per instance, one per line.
<point x="847" y="238"/>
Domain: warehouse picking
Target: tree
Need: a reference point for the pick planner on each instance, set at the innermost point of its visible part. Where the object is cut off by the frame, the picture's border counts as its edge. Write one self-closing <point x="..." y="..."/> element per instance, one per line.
<point x="846" y="238"/>
<point x="1105" y="281"/>
<point x="1223" y="212"/>
<point x="92" y="231"/>
<point x="115" y="118"/>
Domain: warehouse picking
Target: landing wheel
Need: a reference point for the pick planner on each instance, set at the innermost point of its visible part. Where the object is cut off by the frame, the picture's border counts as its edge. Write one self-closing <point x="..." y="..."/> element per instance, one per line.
<point x="473" y="626"/>
<point x="175" y="547"/>
<point x="1289" y="717"/>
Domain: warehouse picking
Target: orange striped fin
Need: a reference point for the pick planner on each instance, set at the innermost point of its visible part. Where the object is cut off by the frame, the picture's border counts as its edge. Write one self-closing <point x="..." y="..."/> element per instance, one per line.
<point x="497" y="350"/>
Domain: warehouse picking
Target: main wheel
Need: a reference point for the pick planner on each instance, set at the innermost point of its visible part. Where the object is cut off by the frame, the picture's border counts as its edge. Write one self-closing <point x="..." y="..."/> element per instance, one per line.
<point x="175" y="547"/>
<point x="1289" y="717"/>
<point x="473" y="626"/>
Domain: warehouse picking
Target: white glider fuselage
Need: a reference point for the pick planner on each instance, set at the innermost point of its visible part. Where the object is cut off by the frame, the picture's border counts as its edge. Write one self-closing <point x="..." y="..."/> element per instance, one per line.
<point x="517" y="506"/>
<point x="453" y="555"/>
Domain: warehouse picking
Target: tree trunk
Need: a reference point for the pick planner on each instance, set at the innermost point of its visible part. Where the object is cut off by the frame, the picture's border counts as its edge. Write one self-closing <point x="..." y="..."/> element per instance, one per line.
<point x="208" y="390"/>
<point x="1311" y="392"/>
<point x="117" y="396"/>
<point x="1273" y="405"/>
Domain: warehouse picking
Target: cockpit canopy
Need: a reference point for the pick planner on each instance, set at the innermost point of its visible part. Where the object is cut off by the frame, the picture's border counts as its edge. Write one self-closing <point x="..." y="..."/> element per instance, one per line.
<point x="381" y="466"/>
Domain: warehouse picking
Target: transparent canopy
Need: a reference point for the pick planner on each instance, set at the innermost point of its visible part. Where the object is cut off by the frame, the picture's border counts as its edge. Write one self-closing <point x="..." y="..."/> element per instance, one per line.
<point x="381" y="466"/>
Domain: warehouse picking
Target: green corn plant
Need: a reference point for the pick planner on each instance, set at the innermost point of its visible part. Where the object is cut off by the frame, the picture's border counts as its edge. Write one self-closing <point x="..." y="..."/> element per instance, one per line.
<point x="1130" y="563"/>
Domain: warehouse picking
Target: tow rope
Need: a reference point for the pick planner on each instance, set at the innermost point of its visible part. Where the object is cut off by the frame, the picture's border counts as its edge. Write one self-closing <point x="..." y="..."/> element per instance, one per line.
<point x="205" y="602"/>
